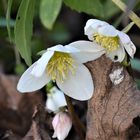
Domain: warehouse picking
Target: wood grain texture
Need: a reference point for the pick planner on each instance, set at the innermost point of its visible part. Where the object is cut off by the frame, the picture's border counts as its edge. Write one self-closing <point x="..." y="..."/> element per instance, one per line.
<point x="113" y="111"/>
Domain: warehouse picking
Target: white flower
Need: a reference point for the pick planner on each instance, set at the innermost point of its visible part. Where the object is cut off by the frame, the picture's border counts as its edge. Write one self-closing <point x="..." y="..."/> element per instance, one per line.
<point x="112" y="40"/>
<point x="61" y="124"/>
<point x="55" y="100"/>
<point x="63" y="64"/>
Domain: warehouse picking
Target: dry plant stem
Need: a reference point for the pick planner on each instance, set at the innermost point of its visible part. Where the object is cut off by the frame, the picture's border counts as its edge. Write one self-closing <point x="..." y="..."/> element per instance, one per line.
<point x="79" y="127"/>
<point x="131" y="14"/>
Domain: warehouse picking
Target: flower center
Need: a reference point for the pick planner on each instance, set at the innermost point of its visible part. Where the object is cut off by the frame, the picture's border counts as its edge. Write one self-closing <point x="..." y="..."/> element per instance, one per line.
<point x="109" y="43"/>
<point x="60" y="65"/>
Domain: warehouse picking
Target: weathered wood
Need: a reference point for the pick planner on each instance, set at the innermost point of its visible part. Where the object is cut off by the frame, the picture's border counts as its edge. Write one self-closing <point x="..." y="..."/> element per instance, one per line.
<point x="113" y="111"/>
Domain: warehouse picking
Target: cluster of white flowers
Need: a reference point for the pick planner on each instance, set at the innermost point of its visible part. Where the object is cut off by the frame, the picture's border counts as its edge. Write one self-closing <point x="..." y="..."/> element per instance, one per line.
<point x="64" y="65"/>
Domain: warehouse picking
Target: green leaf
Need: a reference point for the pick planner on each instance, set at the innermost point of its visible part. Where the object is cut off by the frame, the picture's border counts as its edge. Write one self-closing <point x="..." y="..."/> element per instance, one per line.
<point x="49" y="10"/>
<point x="92" y="7"/>
<point x="23" y="29"/>
<point x="110" y="9"/>
<point x="8" y="18"/>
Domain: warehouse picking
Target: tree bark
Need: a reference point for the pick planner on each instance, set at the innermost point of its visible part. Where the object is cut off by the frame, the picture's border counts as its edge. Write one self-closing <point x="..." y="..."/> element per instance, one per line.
<point x="113" y="111"/>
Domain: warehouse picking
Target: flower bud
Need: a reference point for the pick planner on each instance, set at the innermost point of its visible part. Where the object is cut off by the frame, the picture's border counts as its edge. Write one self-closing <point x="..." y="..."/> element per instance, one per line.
<point x="55" y="99"/>
<point x="62" y="124"/>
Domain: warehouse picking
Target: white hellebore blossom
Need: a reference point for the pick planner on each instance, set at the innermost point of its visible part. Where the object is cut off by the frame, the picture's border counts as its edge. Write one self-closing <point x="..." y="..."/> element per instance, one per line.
<point x="62" y="124"/>
<point x="113" y="41"/>
<point x="55" y="100"/>
<point x="63" y="64"/>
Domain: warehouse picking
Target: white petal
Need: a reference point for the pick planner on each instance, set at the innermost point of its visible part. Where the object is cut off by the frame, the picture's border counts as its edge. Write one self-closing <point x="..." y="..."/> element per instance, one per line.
<point x="118" y="55"/>
<point x="89" y="51"/>
<point x="127" y="43"/>
<point x="41" y="64"/>
<point x="108" y="30"/>
<point x="61" y="48"/>
<point x="92" y="27"/>
<point x="86" y="46"/>
<point x="55" y="100"/>
<point x="87" y="56"/>
<point x="30" y="83"/>
<point x="59" y="98"/>
<point x="79" y="85"/>
<point x="50" y="105"/>
<point x="71" y="49"/>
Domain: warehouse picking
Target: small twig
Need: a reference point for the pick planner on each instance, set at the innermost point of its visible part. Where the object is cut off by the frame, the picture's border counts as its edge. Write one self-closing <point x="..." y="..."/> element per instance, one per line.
<point x="131" y="14"/>
<point x="79" y="127"/>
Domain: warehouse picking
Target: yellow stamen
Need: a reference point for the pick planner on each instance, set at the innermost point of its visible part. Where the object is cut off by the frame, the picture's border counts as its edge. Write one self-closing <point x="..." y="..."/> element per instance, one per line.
<point x="109" y="43"/>
<point x="60" y="65"/>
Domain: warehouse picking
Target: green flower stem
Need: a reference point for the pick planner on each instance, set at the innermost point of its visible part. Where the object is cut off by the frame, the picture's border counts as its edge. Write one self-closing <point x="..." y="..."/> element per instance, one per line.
<point x="128" y="27"/>
<point x="131" y="14"/>
<point x="79" y="127"/>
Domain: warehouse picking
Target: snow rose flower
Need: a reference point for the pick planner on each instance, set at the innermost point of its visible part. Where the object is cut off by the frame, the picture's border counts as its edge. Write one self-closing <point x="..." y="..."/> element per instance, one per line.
<point x="112" y="40"/>
<point x="64" y="65"/>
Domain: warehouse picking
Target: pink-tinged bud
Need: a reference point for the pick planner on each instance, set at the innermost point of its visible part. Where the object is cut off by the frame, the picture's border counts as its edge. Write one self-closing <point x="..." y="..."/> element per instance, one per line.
<point x="62" y="124"/>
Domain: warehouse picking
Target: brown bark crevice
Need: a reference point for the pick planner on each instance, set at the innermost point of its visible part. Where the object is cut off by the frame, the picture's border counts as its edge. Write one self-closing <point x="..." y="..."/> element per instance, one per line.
<point x="113" y="108"/>
<point x="16" y="109"/>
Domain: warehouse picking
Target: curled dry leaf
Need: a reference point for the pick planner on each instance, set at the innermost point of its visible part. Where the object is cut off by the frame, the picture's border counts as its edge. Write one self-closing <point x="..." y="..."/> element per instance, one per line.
<point x="113" y="112"/>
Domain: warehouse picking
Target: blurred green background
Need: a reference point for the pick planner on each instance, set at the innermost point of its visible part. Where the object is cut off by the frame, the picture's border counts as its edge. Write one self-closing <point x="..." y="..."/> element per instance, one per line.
<point x="57" y="22"/>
